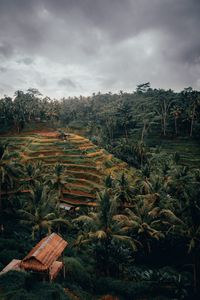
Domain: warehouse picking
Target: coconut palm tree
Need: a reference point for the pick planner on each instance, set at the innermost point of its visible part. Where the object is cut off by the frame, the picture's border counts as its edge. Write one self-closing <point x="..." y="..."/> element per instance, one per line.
<point x="179" y="183"/>
<point x="57" y="181"/>
<point x="40" y="211"/>
<point x="140" y="151"/>
<point x="100" y="230"/>
<point x="10" y="171"/>
<point x="144" y="185"/>
<point x="123" y="191"/>
<point x="146" y="221"/>
<point x="33" y="174"/>
<point x="190" y="228"/>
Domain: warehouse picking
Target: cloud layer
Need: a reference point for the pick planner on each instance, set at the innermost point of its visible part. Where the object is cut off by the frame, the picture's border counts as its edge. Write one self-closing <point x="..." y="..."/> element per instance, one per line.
<point x="73" y="47"/>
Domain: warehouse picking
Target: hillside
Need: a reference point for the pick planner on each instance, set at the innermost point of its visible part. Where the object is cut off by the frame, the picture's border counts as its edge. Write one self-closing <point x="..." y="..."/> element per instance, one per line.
<point x="85" y="165"/>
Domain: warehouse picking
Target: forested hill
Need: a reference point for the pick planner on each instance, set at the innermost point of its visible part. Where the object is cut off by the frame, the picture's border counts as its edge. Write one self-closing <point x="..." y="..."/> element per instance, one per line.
<point x="132" y="229"/>
<point x="146" y="117"/>
<point x="167" y="112"/>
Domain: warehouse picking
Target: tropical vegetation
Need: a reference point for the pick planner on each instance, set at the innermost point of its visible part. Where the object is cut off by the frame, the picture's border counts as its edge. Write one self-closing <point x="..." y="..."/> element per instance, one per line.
<point x="130" y="212"/>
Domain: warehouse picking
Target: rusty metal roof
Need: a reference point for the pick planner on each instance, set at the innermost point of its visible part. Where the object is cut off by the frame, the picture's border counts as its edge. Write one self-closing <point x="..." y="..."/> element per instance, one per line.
<point x="55" y="269"/>
<point x="45" y="253"/>
<point x="13" y="265"/>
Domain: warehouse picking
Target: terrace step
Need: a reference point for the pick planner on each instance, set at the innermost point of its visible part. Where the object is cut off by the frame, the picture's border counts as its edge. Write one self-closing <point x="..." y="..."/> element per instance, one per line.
<point x="84" y="175"/>
<point x="95" y="154"/>
<point x="86" y="164"/>
<point x="84" y="188"/>
<point x="80" y="141"/>
<point x="85" y="182"/>
<point x="90" y="169"/>
<point x="76" y="202"/>
<point x="87" y="147"/>
<point x="78" y="193"/>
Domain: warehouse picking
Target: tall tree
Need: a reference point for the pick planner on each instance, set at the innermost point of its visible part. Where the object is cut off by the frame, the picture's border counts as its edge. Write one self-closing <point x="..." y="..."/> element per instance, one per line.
<point x="10" y="171"/>
<point x="100" y="229"/>
<point x="163" y="104"/>
<point x="40" y="211"/>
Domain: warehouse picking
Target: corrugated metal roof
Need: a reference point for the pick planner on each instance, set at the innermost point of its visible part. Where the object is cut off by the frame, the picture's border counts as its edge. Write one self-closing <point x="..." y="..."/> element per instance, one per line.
<point x="13" y="265"/>
<point x="41" y="257"/>
<point x="55" y="269"/>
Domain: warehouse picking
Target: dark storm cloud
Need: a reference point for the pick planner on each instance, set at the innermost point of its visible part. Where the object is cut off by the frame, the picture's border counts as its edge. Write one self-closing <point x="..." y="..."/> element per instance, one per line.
<point x="6" y="50"/>
<point x="67" y="82"/>
<point x="3" y="70"/>
<point x="102" y="44"/>
<point x="26" y="60"/>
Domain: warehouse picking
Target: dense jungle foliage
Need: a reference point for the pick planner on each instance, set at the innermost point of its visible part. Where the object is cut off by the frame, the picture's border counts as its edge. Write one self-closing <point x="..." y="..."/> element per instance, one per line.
<point x="142" y="240"/>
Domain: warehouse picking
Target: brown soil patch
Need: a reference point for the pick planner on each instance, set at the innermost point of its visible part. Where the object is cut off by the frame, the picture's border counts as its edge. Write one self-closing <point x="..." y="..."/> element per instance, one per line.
<point x="44" y="153"/>
<point x="42" y="133"/>
<point x="79" y="141"/>
<point x="79" y="202"/>
<point x="49" y="134"/>
<point x="85" y="175"/>
<point x="82" y="169"/>
<point x="109" y="297"/>
<point x="86" y="182"/>
<point x="43" y="141"/>
<point x="94" y="154"/>
<point x="76" y="185"/>
<point x="86" y="164"/>
<point x="87" y="147"/>
<point x="78" y="193"/>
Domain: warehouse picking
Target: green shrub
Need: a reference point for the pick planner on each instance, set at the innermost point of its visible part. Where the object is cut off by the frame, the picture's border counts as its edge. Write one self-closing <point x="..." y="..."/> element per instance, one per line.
<point x="128" y="290"/>
<point x="7" y="255"/>
<point x="50" y="291"/>
<point x="76" y="272"/>
<point x="17" y="285"/>
<point x="13" y="280"/>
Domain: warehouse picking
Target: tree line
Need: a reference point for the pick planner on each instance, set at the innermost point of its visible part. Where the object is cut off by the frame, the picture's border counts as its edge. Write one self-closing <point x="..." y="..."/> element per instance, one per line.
<point x="109" y="115"/>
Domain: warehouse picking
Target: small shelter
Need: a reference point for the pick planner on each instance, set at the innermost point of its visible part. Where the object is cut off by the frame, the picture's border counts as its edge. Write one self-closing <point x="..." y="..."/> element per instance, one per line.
<point x="42" y="258"/>
<point x="14" y="265"/>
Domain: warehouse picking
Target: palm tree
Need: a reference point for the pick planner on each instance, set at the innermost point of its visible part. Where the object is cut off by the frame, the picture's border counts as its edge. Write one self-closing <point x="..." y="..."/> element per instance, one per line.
<point x="176" y="113"/>
<point x="33" y="171"/>
<point x="146" y="221"/>
<point x="123" y="191"/>
<point x="140" y="151"/>
<point x="40" y="211"/>
<point x="101" y="231"/>
<point x="144" y="185"/>
<point x="179" y="184"/>
<point x="10" y="170"/>
<point x="58" y="180"/>
<point x="190" y="227"/>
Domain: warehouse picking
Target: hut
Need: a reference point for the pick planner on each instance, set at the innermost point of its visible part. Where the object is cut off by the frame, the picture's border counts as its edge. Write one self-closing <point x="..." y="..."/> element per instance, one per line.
<point x="42" y="259"/>
<point x="14" y="265"/>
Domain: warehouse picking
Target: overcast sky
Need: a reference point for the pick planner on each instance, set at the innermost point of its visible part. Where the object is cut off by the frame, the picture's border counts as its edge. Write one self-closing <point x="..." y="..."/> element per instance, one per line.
<point x="73" y="47"/>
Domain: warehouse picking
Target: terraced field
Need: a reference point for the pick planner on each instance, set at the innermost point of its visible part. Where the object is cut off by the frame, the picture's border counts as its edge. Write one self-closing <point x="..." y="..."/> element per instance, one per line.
<point x="188" y="149"/>
<point x="85" y="165"/>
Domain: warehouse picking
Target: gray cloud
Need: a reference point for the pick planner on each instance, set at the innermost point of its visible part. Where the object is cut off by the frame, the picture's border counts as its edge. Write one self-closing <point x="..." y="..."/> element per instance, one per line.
<point x="101" y="44"/>
<point x="67" y="82"/>
<point x="6" y="50"/>
<point x="3" y="70"/>
<point x="26" y="60"/>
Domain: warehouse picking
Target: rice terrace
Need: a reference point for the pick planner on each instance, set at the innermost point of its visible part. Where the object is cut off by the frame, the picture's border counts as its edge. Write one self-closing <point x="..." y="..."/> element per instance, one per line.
<point x="85" y="164"/>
